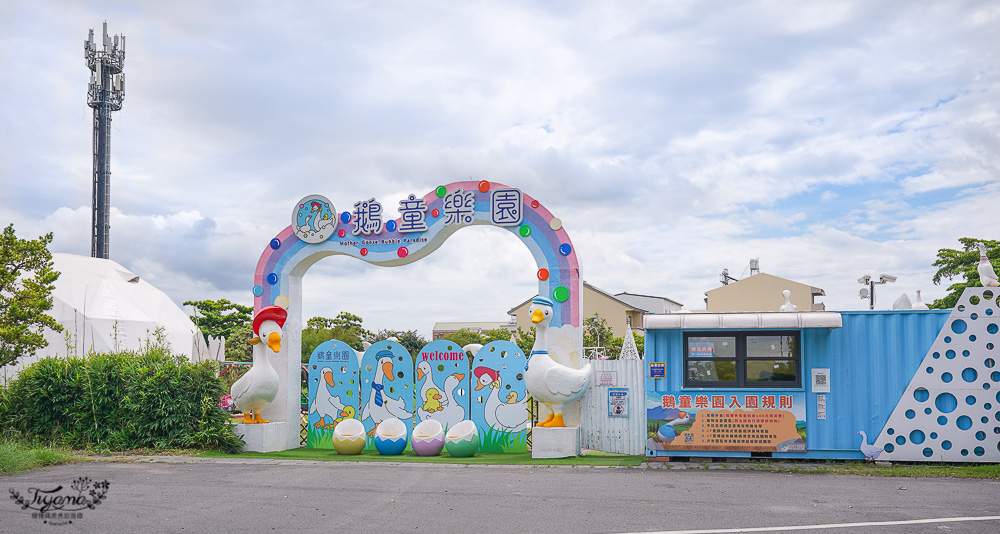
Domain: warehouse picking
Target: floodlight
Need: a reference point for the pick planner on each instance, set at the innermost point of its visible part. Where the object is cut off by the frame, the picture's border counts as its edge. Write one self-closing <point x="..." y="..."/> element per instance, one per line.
<point x="863" y="292"/>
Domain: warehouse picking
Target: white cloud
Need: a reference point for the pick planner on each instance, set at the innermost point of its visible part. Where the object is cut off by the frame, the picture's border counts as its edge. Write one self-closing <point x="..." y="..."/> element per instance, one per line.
<point x="672" y="139"/>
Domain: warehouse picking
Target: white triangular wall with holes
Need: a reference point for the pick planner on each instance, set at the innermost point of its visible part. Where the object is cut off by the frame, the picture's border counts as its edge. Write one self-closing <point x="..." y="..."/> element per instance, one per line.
<point x="950" y="412"/>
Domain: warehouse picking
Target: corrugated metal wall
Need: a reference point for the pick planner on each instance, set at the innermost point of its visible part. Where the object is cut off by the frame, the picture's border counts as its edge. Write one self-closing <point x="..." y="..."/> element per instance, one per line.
<point x="872" y="359"/>
<point x="622" y="435"/>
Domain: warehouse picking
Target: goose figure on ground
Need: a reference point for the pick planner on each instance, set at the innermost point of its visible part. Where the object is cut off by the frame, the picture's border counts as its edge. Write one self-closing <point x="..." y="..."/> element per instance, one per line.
<point x="553" y="384"/>
<point x="871" y="452"/>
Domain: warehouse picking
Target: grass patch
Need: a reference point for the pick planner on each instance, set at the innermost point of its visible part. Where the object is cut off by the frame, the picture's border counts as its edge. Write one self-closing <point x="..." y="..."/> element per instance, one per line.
<point x="18" y="454"/>
<point x="912" y="470"/>
<point x="487" y="458"/>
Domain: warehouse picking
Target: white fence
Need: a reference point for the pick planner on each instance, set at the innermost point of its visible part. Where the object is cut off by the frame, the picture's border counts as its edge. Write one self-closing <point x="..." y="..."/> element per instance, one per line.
<point x="604" y="432"/>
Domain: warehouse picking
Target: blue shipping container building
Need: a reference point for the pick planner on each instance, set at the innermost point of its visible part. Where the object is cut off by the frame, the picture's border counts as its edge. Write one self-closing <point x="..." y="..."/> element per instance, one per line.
<point x="921" y="385"/>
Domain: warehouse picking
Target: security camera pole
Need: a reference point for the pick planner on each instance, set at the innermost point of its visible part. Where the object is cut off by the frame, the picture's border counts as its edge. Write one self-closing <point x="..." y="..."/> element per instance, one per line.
<point x="869" y="293"/>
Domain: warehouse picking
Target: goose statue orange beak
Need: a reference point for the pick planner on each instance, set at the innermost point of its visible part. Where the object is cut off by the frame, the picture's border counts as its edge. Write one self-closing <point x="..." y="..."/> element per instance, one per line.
<point x="537" y="316"/>
<point x="274" y="341"/>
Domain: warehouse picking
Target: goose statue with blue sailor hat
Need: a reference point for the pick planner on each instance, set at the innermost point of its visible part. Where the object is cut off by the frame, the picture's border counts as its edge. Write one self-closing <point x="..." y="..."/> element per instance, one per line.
<point x="553" y="384"/>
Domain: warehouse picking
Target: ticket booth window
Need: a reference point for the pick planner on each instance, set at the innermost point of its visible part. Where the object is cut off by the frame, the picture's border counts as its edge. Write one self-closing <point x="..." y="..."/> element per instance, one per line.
<point x="760" y="359"/>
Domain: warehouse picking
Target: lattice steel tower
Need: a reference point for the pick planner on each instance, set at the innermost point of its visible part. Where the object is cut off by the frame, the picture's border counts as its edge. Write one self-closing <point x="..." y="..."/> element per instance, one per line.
<point x="105" y="94"/>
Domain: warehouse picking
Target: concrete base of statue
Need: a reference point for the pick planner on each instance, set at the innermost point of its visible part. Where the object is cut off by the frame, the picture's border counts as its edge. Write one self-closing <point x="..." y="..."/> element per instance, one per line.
<point x="262" y="437"/>
<point x="558" y="442"/>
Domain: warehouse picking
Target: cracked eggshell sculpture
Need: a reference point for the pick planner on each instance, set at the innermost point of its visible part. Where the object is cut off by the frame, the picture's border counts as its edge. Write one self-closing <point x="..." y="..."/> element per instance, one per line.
<point x="462" y="439"/>
<point x="349" y="437"/>
<point x="391" y="437"/>
<point x="428" y="438"/>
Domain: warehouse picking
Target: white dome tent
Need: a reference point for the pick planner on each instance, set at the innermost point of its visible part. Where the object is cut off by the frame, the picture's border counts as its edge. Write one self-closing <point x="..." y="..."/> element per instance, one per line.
<point x="104" y="307"/>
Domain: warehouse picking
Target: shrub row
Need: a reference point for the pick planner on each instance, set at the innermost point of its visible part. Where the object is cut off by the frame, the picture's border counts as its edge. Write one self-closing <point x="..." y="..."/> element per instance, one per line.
<point x="122" y="401"/>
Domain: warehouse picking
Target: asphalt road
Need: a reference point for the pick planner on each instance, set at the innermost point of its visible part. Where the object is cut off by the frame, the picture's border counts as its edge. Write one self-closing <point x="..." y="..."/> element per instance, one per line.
<point x="298" y="496"/>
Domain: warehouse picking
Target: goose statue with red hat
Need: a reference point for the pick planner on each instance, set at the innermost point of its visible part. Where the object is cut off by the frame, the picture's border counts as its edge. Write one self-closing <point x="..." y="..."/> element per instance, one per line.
<point x="553" y="384"/>
<point x="259" y="386"/>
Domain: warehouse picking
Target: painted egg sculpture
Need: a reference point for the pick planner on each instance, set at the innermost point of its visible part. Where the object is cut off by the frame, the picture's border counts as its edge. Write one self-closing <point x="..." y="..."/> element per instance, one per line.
<point x="428" y="438"/>
<point x="390" y="437"/>
<point x="462" y="439"/>
<point x="349" y="437"/>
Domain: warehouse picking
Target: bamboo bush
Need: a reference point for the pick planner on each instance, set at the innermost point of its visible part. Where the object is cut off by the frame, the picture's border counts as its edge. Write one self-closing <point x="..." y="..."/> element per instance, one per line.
<point x="120" y="401"/>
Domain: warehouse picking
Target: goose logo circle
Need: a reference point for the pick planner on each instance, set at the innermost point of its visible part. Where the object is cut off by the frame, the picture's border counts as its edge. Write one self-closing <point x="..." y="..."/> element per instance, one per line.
<point x="61" y="505"/>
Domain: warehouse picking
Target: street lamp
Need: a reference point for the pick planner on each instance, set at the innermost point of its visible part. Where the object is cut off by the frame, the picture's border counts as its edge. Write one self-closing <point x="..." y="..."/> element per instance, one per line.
<point x="869" y="292"/>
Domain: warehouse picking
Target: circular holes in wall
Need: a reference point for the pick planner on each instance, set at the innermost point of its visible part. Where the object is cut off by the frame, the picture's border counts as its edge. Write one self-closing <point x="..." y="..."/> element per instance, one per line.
<point x="916" y="437"/>
<point x="969" y="375"/>
<point x="946" y="377"/>
<point x="964" y="422"/>
<point x="910" y="414"/>
<point x="950" y="354"/>
<point x="921" y="394"/>
<point x="945" y="402"/>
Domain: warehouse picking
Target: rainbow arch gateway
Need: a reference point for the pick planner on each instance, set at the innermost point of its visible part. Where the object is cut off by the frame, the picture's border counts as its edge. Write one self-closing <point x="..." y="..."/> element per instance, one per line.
<point x="369" y="231"/>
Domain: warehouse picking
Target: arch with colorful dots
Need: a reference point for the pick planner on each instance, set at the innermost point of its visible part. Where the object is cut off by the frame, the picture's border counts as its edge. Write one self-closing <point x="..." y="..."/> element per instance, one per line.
<point x="278" y="277"/>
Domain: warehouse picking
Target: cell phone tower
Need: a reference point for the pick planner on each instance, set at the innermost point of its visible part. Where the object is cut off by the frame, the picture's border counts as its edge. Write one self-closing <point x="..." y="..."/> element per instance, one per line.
<point x="105" y="94"/>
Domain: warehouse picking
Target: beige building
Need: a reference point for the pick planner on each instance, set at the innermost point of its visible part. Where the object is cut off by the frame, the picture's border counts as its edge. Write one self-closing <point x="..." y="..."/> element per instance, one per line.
<point x="616" y="312"/>
<point x="762" y="293"/>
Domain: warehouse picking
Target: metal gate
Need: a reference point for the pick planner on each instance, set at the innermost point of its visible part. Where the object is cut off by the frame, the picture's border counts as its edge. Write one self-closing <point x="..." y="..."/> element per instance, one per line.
<point x="602" y="431"/>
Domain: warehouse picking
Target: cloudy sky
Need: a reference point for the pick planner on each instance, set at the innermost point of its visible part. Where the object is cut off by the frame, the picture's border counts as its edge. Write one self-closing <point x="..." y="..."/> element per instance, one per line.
<point x="674" y="139"/>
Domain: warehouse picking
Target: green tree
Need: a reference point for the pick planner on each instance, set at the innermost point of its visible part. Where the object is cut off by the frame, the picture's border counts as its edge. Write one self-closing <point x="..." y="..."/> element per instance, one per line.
<point x="597" y="333"/>
<point x="409" y="339"/>
<point x="464" y="337"/>
<point x="962" y="264"/>
<point x="320" y="323"/>
<point x="238" y="347"/>
<point x="219" y="318"/>
<point x="26" y="282"/>
<point x="345" y="327"/>
<point x="497" y="334"/>
<point x="313" y="337"/>
<point x="525" y="339"/>
<point x="640" y="342"/>
<point x="348" y="320"/>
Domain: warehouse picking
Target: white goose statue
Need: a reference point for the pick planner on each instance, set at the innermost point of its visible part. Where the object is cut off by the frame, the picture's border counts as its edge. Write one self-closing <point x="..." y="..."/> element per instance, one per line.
<point x="987" y="276"/>
<point x="259" y="386"/>
<point x="549" y="382"/>
<point x="919" y="304"/>
<point x="788" y="306"/>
